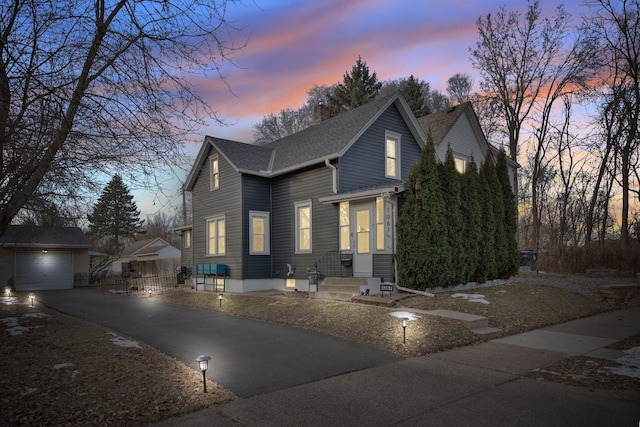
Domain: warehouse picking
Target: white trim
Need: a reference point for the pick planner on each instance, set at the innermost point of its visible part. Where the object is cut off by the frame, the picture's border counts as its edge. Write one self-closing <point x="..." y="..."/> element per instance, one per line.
<point x="267" y="231"/>
<point x="397" y="138"/>
<point x="365" y="194"/>
<point x="297" y="206"/>
<point x="216" y="219"/>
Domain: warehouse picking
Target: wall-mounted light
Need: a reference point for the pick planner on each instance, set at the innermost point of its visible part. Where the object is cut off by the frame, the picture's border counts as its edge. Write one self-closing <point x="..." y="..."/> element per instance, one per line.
<point x="203" y="364"/>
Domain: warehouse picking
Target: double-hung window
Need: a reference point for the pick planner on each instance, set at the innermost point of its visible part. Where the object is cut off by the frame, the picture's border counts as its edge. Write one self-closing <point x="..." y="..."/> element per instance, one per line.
<point x="216" y="241"/>
<point x="392" y="155"/>
<point x="345" y="232"/>
<point x="258" y="233"/>
<point x="303" y="226"/>
<point x="214" y="173"/>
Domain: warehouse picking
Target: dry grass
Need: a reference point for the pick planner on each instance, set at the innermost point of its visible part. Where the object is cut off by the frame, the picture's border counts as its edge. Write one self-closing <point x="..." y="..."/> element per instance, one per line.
<point x="66" y="371"/>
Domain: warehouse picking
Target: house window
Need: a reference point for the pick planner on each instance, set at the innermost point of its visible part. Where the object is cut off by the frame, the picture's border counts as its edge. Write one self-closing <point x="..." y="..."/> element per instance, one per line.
<point x="258" y="233"/>
<point x="345" y="238"/>
<point x="379" y="224"/>
<point x="186" y="236"/>
<point x="392" y="155"/>
<point x="461" y="165"/>
<point x="303" y="226"/>
<point x="216" y="243"/>
<point x="214" y="177"/>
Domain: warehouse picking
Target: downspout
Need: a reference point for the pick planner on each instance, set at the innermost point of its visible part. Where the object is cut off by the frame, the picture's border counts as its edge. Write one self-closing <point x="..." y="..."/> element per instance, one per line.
<point x="335" y="175"/>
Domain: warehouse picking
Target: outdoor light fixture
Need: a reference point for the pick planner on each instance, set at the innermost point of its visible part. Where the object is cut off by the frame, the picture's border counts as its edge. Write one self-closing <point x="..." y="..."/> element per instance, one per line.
<point x="404" y="330"/>
<point x="220" y="299"/>
<point x="149" y="293"/>
<point x="203" y="363"/>
<point x="32" y="296"/>
<point x="7" y="291"/>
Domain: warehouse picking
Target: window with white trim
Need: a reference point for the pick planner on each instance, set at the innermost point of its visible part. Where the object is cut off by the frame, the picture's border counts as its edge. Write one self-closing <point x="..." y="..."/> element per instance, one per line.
<point x="214" y="175"/>
<point x="345" y="232"/>
<point x="461" y="164"/>
<point x="258" y="233"/>
<point x="303" y="226"/>
<point x="392" y="155"/>
<point x="379" y="223"/>
<point x="216" y="241"/>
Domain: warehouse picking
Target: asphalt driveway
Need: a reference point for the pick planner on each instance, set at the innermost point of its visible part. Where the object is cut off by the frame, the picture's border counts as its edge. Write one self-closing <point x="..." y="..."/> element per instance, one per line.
<point x="248" y="357"/>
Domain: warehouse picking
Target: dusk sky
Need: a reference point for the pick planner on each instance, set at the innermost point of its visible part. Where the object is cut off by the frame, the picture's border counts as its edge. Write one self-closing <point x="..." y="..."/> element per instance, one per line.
<point x="292" y="45"/>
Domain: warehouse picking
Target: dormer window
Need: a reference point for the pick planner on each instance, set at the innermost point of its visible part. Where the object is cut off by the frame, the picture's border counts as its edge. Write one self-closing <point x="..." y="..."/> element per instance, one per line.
<point x="392" y="155"/>
<point x="214" y="176"/>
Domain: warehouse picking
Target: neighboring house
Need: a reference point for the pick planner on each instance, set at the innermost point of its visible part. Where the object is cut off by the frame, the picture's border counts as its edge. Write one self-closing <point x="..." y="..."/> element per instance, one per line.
<point x="147" y="256"/>
<point x="42" y="258"/>
<point x="327" y="197"/>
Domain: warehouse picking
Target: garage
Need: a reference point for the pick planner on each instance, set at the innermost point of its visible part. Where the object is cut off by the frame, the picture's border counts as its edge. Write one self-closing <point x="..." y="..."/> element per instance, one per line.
<point x="43" y="270"/>
<point x="34" y="258"/>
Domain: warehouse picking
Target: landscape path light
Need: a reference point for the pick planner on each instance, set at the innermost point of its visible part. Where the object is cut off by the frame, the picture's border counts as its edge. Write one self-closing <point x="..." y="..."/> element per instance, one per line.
<point x="203" y="363"/>
<point x="32" y="296"/>
<point x="220" y="299"/>
<point x="7" y="291"/>
<point x="405" y="320"/>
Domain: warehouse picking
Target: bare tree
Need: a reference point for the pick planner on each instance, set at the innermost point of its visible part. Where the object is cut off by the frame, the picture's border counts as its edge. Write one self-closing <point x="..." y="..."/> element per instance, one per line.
<point x="617" y="25"/>
<point x="91" y="87"/>
<point x="459" y="88"/>
<point x="524" y="65"/>
<point x="162" y="225"/>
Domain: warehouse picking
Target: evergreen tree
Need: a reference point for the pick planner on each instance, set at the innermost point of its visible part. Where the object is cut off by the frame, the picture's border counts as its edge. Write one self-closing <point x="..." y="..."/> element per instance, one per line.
<point x="423" y="254"/>
<point x="500" y="234"/>
<point x="357" y="88"/>
<point x="450" y="180"/>
<point x="115" y="216"/>
<point x="413" y="91"/>
<point x="486" y="268"/>
<point x="472" y="214"/>
<point x="512" y="261"/>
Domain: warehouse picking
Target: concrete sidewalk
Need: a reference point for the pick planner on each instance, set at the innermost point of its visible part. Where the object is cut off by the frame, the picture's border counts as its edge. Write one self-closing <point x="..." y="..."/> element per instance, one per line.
<point x="480" y="385"/>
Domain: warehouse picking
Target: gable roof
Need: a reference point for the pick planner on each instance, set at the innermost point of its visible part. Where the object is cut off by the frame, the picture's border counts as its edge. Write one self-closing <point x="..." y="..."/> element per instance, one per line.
<point x="32" y="236"/>
<point x="326" y="140"/>
<point x="439" y="124"/>
<point x="145" y="247"/>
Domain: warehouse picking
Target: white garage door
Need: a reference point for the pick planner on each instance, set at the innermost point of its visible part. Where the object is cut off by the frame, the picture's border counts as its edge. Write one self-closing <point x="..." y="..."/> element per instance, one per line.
<point x="39" y="270"/>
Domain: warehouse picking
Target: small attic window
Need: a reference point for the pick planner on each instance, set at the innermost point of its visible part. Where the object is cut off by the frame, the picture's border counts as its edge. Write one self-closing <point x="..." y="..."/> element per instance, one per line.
<point x="214" y="175"/>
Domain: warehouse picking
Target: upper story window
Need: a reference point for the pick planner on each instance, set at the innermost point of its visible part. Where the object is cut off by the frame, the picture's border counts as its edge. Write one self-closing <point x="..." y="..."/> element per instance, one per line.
<point x="258" y="233"/>
<point x="214" y="175"/>
<point x="345" y="232"/>
<point x="303" y="226"/>
<point x="461" y="164"/>
<point x="392" y="155"/>
<point x="216" y="240"/>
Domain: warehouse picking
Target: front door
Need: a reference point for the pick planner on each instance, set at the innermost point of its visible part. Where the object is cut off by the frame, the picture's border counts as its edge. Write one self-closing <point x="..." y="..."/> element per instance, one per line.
<point x="362" y="239"/>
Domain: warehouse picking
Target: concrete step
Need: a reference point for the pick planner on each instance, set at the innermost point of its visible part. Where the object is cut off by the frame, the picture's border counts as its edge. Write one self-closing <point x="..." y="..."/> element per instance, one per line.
<point x="488" y="333"/>
<point x="338" y="296"/>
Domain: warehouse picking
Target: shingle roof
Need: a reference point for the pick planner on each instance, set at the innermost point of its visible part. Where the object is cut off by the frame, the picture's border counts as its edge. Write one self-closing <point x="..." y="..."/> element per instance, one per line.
<point x="39" y="237"/>
<point x="141" y="246"/>
<point x="439" y="124"/>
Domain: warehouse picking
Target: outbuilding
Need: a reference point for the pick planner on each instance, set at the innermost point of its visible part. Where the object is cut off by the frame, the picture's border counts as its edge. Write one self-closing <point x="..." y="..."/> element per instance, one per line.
<point x="43" y="258"/>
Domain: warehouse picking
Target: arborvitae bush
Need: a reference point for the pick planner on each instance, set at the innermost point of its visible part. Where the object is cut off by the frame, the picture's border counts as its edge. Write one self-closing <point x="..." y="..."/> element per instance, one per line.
<point x="511" y="263"/>
<point x="472" y="214"/>
<point x="423" y="252"/>
<point x="450" y="181"/>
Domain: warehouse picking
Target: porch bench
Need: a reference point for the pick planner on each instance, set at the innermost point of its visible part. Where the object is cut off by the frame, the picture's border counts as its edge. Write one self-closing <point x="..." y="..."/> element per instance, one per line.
<point x="386" y="287"/>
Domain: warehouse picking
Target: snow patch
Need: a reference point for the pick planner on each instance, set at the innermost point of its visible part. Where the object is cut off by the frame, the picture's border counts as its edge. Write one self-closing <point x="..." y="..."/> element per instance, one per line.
<point x="17" y="330"/>
<point x="29" y="391"/>
<point x="404" y="315"/>
<point x="471" y="298"/>
<point x="123" y="342"/>
<point x="10" y="321"/>
<point x="9" y="300"/>
<point x="630" y="363"/>
<point x="62" y="366"/>
<point x="37" y="315"/>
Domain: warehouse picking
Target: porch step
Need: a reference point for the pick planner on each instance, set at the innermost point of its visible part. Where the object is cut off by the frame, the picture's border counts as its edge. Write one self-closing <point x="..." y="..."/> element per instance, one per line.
<point x="339" y="288"/>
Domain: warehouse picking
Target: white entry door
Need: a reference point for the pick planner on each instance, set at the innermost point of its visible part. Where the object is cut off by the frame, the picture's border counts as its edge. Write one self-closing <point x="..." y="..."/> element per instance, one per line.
<point x="362" y="238"/>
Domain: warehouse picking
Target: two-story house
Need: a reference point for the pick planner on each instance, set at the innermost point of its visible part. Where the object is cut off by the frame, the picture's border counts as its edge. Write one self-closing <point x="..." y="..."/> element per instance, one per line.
<point x="324" y="199"/>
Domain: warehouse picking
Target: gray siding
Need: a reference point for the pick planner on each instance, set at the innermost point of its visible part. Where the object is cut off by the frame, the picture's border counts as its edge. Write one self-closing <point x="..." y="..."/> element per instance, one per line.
<point x="311" y="183"/>
<point x="463" y="142"/>
<point x="363" y="165"/>
<point x="225" y="200"/>
<point x="256" y="196"/>
<point x="383" y="267"/>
